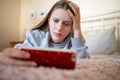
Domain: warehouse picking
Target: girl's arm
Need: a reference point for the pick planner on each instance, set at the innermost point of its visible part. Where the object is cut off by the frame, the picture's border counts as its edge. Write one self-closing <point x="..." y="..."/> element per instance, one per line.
<point x="78" y="42"/>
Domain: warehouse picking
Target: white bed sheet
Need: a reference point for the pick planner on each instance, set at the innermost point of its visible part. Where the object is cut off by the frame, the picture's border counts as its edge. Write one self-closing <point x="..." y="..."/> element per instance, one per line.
<point x="115" y="56"/>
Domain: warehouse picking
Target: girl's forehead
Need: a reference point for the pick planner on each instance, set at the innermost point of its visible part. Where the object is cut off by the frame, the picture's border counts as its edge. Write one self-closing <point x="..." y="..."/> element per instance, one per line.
<point x="61" y="14"/>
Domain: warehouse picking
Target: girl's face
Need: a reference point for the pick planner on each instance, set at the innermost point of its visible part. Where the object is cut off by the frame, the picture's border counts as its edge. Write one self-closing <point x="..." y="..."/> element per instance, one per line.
<point x="60" y="24"/>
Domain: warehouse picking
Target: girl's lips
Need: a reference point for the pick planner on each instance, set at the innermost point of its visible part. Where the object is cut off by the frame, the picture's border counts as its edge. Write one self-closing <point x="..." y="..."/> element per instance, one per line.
<point x="58" y="34"/>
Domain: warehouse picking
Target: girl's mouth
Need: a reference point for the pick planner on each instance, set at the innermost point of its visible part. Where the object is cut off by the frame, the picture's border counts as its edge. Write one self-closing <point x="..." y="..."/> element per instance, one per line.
<point x="58" y="34"/>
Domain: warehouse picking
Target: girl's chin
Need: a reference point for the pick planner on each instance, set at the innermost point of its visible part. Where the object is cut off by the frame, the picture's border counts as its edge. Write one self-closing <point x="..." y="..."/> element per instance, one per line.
<point x="57" y="40"/>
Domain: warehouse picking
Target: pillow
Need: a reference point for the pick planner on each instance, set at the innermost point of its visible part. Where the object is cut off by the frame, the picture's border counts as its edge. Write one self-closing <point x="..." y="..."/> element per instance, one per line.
<point x="102" y="43"/>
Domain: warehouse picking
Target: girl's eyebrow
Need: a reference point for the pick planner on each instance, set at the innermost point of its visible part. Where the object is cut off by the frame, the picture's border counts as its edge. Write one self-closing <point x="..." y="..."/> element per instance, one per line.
<point x="55" y="17"/>
<point x="63" y="21"/>
<point x="67" y="21"/>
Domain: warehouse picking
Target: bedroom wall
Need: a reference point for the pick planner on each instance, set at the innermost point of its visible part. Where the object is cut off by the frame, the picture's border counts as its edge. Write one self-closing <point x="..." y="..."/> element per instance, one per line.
<point x="90" y="8"/>
<point x="9" y="22"/>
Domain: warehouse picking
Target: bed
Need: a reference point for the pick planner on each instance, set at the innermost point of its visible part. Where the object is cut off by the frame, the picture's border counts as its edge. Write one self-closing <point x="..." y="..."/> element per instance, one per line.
<point x="85" y="70"/>
<point x="102" y="35"/>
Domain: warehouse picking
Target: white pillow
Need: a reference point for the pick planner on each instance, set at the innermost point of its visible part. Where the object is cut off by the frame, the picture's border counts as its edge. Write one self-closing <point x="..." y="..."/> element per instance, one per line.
<point x="102" y="43"/>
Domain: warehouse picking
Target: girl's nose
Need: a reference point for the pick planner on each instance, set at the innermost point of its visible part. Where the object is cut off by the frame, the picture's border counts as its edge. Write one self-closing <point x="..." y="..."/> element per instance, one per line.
<point x="60" y="26"/>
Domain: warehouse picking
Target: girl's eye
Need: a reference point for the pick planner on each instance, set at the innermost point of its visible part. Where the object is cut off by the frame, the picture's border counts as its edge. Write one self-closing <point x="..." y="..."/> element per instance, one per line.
<point x="67" y="24"/>
<point x="56" y="20"/>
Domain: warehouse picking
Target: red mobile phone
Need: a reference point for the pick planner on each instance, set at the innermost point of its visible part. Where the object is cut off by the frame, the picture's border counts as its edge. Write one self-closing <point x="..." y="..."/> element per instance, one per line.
<point x="49" y="57"/>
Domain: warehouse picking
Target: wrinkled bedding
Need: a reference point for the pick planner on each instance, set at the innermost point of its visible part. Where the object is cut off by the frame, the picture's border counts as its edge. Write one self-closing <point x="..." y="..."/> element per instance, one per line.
<point x="113" y="57"/>
<point x="85" y="70"/>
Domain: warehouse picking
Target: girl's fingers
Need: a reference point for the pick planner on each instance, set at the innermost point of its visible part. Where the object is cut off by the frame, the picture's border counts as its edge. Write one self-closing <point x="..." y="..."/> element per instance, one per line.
<point x="24" y="63"/>
<point x="74" y="7"/>
<point x="11" y="61"/>
<point x="16" y="53"/>
<point x="71" y="14"/>
<point x="14" y="56"/>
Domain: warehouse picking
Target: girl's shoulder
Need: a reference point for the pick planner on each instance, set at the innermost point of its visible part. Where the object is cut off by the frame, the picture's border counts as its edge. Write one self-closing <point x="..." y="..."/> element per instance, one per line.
<point x="36" y="32"/>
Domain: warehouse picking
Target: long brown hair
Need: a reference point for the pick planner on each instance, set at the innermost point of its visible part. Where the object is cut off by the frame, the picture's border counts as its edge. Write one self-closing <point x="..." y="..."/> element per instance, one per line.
<point x="64" y="4"/>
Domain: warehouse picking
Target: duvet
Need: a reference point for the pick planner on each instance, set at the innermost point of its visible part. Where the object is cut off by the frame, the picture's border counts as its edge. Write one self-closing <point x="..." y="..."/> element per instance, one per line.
<point x="85" y="70"/>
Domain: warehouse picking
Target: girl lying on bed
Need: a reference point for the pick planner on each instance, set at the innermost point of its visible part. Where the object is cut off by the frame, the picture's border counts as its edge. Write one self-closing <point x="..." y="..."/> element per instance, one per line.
<point x="59" y="29"/>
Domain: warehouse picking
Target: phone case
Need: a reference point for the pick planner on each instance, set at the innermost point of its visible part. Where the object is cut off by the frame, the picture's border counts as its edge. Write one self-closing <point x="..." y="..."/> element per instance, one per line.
<point x="59" y="58"/>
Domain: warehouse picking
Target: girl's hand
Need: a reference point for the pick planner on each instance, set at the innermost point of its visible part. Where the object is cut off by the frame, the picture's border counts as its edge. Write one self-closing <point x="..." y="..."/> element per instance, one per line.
<point x="76" y="19"/>
<point x="13" y="56"/>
